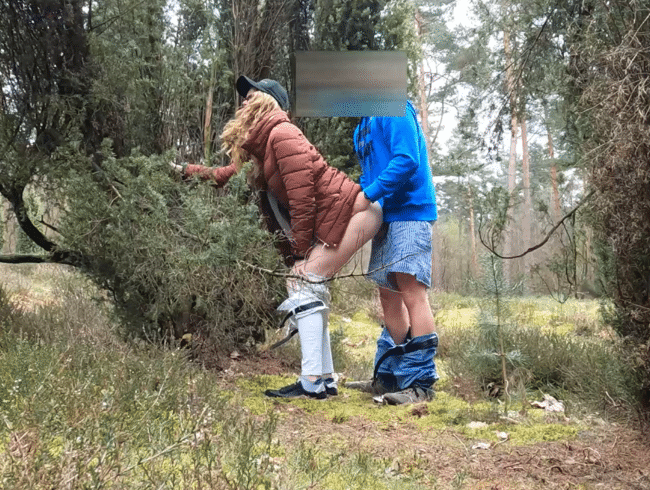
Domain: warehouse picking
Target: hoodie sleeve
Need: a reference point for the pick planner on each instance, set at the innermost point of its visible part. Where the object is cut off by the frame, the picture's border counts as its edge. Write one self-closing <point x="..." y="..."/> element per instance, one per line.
<point x="400" y="136"/>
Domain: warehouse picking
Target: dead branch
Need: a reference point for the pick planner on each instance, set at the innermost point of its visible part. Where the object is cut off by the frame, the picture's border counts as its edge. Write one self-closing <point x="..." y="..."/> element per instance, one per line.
<point x="548" y="236"/>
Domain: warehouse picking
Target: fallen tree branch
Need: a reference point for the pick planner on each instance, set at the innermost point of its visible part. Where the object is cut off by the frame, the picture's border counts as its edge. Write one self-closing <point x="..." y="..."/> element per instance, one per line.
<point x="25" y="259"/>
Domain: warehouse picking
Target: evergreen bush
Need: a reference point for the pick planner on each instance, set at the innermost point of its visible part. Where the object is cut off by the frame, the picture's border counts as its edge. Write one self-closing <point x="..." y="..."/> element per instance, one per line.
<point x="613" y="75"/>
<point x="176" y="258"/>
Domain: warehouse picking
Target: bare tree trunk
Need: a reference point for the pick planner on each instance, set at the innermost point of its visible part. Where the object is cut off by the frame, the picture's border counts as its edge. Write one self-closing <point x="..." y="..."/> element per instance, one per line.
<point x="528" y="202"/>
<point x="256" y="25"/>
<point x="512" y="163"/>
<point x="424" y="106"/>
<point x="437" y="263"/>
<point x="207" y="124"/>
<point x="9" y="229"/>
<point x="472" y="231"/>
<point x="424" y="121"/>
<point x="555" y="196"/>
<point x="512" y="171"/>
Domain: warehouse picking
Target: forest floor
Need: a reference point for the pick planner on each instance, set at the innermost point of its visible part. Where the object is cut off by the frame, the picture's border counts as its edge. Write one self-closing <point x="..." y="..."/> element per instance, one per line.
<point x="598" y="454"/>
<point x="459" y="440"/>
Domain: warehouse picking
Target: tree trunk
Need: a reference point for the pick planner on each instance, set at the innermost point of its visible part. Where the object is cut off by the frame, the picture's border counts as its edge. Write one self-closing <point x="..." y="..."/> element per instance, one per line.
<point x="512" y="162"/>
<point x="424" y="106"/>
<point x="256" y="26"/>
<point x="9" y="229"/>
<point x="438" y="270"/>
<point x="472" y="231"/>
<point x="528" y="203"/>
<point x="555" y="196"/>
<point x="207" y="124"/>
<point x="424" y="121"/>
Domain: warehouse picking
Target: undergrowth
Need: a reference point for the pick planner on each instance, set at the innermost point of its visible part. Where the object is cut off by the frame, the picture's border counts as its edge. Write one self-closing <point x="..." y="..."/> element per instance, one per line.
<point x="83" y="409"/>
<point x="560" y="349"/>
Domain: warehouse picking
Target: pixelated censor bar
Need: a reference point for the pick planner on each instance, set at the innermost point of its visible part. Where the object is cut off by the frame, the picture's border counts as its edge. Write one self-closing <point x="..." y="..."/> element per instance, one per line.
<point x="349" y="83"/>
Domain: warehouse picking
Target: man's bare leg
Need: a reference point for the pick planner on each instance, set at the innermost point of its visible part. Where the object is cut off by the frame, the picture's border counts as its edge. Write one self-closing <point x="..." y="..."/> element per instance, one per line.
<point x="415" y="296"/>
<point x="396" y="316"/>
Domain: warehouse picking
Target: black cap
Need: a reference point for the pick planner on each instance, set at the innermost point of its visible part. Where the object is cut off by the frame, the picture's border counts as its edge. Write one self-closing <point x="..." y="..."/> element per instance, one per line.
<point x="271" y="87"/>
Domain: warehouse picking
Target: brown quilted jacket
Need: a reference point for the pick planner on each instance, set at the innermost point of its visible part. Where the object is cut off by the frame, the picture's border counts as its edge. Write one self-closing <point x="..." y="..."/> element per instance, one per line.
<point x="319" y="197"/>
<point x="219" y="175"/>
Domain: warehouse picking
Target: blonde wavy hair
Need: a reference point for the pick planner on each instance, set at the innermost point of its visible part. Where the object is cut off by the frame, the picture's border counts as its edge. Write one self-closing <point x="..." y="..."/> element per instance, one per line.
<point x="236" y="131"/>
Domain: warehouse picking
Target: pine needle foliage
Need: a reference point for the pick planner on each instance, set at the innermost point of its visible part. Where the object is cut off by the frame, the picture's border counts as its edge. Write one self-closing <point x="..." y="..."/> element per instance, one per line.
<point x="176" y="258"/>
<point x="499" y="355"/>
<point x="612" y="72"/>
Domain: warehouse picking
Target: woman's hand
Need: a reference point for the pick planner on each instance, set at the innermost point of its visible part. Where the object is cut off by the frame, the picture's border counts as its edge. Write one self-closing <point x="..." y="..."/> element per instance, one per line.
<point x="176" y="168"/>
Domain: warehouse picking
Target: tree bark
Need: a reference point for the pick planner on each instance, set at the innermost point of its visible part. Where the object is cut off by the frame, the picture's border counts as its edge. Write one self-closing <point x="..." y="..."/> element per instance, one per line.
<point x="512" y="162"/>
<point x="528" y="203"/>
<point x="9" y="229"/>
<point x="424" y="106"/>
<point x="207" y="123"/>
<point x="472" y="230"/>
<point x="437" y="266"/>
<point x="556" y="209"/>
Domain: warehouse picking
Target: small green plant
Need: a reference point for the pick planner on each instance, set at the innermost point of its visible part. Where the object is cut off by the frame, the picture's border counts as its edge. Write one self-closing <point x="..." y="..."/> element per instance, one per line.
<point x="459" y="480"/>
<point x="562" y="350"/>
<point x="494" y="325"/>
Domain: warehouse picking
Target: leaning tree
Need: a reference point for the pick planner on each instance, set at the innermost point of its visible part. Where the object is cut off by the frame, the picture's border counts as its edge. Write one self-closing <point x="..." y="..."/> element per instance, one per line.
<point x="91" y="99"/>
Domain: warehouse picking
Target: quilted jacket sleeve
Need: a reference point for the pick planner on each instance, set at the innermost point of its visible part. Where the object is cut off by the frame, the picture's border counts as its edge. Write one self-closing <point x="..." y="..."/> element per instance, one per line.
<point x="293" y="154"/>
<point x="219" y="175"/>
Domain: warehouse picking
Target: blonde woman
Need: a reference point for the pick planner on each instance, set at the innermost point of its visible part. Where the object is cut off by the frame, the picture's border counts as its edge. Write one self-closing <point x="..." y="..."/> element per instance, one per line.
<point x="323" y="213"/>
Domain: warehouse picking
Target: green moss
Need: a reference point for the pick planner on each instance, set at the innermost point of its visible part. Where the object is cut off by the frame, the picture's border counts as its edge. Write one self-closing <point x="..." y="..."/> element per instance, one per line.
<point x="523" y="434"/>
<point x="443" y="412"/>
<point x="55" y="446"/>
<point x="253" y="397"/>
<point x="447" y="411"/>
<point x="361" y="317"/>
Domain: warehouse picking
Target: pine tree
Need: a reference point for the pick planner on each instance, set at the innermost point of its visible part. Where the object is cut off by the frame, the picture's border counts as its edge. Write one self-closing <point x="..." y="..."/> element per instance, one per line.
<point x="97" y="104"/>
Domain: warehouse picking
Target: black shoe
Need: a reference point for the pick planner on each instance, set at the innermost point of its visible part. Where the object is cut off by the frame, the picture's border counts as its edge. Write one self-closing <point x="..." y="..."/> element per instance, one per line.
<point x="295" y="391"/>
<point x="331" y="390"/>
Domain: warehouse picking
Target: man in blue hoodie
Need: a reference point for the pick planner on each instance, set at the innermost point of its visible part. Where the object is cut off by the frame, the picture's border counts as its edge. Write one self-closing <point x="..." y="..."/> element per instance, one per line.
<point x="393" y="157"/>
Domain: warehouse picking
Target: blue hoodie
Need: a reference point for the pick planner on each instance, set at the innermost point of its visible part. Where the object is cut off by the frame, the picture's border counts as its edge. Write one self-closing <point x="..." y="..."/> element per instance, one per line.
<point x="393" y="156"/>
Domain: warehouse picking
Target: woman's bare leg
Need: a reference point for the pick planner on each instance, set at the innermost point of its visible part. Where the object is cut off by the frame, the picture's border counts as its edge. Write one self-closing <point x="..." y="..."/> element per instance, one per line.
<point x="326" y="261"/>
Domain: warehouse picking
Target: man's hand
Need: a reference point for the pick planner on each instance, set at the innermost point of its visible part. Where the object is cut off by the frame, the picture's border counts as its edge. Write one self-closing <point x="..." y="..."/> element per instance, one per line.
<point x="361" y="203"/>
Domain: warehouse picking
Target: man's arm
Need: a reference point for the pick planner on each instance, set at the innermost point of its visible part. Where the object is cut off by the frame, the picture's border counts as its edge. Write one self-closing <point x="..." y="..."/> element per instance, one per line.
<point x="400" y="133"/>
